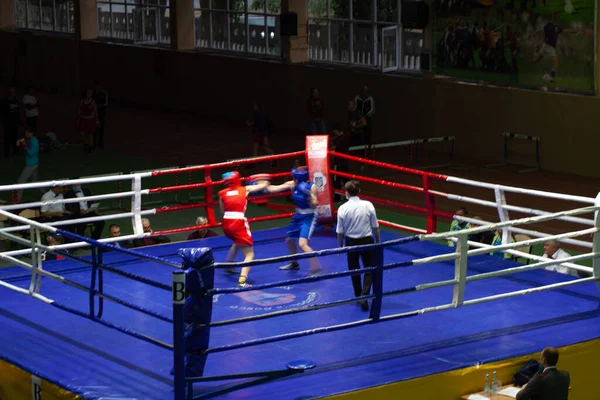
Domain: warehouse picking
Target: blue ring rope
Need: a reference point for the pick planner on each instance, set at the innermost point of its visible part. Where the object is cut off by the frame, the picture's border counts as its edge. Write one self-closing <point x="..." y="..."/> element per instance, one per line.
<point x="320" y="253"/>
<point x="308" y="279"/>
<point x="135" y="277"/>
<point x="126" y="331"/>
<point x="132" y="306"/>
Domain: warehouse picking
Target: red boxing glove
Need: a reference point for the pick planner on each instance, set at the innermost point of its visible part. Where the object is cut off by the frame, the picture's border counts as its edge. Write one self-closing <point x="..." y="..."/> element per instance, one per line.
<point x="22" y="143"/>
<point x="256" y="178"/>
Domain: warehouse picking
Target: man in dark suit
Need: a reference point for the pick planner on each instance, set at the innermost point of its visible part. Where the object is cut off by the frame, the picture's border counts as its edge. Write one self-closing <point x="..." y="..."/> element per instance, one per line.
<point x="149" y="240"/>
<point x="551" y="384"/>
<point x="83" y="209"/>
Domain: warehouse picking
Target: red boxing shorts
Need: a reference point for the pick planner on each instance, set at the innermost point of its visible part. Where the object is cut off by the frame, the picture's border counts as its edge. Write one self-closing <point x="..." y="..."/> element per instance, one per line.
<point x="238" y="230"/>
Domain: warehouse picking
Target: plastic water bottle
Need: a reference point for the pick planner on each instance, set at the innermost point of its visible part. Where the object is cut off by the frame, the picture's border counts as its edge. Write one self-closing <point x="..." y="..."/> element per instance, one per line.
<point x="494" y="385"/>
<point x="486" y="386"/>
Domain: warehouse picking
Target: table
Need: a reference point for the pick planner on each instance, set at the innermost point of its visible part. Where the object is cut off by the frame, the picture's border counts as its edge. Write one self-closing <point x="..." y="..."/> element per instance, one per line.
<point x="497" y="397"/>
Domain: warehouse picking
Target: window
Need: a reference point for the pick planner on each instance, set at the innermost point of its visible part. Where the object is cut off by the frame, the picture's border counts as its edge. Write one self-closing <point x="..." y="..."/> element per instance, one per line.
<point x="45" y="15"/>
<point x="143" y="21"/>
<point x="250" y="26"/>
<point x="363" y="32"/>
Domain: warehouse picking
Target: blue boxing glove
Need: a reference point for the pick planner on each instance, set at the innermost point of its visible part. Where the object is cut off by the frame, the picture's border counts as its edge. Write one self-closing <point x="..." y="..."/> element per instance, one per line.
<point x="304" y="188"/>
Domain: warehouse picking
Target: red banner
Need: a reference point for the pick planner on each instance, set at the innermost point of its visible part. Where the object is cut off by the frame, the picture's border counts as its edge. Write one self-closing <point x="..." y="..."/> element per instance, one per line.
<point x="317" y="147"/>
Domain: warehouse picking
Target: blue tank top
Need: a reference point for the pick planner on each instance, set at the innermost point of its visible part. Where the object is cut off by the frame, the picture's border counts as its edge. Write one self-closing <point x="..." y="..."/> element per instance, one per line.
<point x="301" y="195"/>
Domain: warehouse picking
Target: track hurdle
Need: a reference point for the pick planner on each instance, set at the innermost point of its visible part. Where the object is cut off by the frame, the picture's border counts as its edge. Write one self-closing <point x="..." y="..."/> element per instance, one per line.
<point x="414" y="149"/>
<point x="507" y="160"/>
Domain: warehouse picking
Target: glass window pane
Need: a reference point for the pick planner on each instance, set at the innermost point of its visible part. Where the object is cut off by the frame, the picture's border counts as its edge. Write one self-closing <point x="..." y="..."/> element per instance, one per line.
<point x="317" y="8"/>
<point x="256" y="5"/>
<point x="165" y="25"/>
<point x="119" y="21"/>
<point x="339" y="9"/>
<point x="130" y="22"/>
<point x="47" y="15"/>
<point x="20" y="17"/>
<point x="237" y="32"/>
<point x="340" y="41"/>
<point x="274" y="39"/>
<point x="317" y="40"/>
<point x="33" y="16"/>
<point x="412" y="46"/>
<point x="219" y="29"/>
<point x="62" y="15"/>
<point x="387" y="10"/>
<point x="387" y="59"/>
<point x="237" y="5"/>
<point x="164" y="3"/>
<point x="202" y="28"/>
<point x="218" y="4"/>
<point x="362" y="10"/>
<point x="273" y="6"/>
<point x="363" y="44"/>
<point x="71" y="17"/>
<point x="256" y="26"/>
<point x="104" y="28"/>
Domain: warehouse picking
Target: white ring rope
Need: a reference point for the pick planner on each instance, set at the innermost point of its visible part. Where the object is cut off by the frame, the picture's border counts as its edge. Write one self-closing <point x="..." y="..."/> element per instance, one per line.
<point x="78" y="221"/>
<point x="513" y="189"/>
<point x="71" y="200"/>
<point x="68" y="182"/>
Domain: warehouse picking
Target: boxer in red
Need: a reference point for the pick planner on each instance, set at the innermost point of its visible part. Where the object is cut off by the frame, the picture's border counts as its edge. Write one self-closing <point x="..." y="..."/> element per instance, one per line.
<point x="233" y="201"/>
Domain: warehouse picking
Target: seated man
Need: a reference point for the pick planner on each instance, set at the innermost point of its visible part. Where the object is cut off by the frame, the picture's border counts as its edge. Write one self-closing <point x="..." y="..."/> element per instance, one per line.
<point x="457" y="225"/>
<point x="149" y="240"/>
<point x="83" y="209"/>
<point x="114" y="230"/>
<point x="202" y="233"/>
<point x="550" y="384"/>
<point x="54" y="212"/>
<point x="552" y="250"/>
<point x="53" y="239"/>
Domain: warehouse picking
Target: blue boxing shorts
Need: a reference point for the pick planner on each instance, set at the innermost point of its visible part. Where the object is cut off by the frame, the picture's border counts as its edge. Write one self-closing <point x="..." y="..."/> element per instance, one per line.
<point x="302" y="225"/>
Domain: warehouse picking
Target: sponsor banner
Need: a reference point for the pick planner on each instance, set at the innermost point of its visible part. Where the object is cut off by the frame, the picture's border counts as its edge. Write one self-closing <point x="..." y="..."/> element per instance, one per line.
<point x="317" y="147"/>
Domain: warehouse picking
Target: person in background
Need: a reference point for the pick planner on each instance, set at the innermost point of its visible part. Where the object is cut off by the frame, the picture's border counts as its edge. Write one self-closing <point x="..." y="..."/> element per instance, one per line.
<point x="550" y="384"/>
<point x="552" y="250"/>
<point x="31" y="105"/>
<point x="82" y="209"/>
<point x="150" y="240"/>
<point x="10" y="115"/>
<point x="262" y="129"/>
<point x="54" y="239"/>
<point x="101" y="99"/>
<point x="497" y="241"/>
<point x="457" y="225"/>
<point x="31" y="146"/>
<point x="356" y="123"/>
<point x="202" y="233"/>
<point x="366" y="108"/>
<point x="340" y="142"/>
<point x="87" y="120"/>
<point x="114" y="231"/>
<point x="314" y="108"/>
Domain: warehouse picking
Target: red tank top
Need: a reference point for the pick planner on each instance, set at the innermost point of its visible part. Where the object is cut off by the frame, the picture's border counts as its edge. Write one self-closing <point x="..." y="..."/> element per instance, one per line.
<point x="234" y="200"/>
<point x="86" y="110"/>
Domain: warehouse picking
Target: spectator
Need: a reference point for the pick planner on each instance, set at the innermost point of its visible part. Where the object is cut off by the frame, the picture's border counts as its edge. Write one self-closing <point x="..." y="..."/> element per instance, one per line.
<point x="356" y="123"/>
<point x="357" y="221"/>
<point x="31" y="105"/>
<point x="101" y="99"/>
<point x="366" y="107"/>
<point x="497" y="241"/>
<point x="486" y="237"/>
<point x="552" y="250"/>
<point x="32" y="147"/>
<point x="340" y="142"/>
<point x="51" y="211"/>
<point x="10" y="114"/>
<point x="550" y="384"/>
<point x="457" y="225"/>
<point x="149" y="240"/>
<point x="114" y="231"/>
<point x="82" y="209"/>
<point x="314" y="108"/>
<point x="202" y="233"/>
<point x="87" y="120"/>
<point x="53" y="239"/>
<point x="262" y="128"/>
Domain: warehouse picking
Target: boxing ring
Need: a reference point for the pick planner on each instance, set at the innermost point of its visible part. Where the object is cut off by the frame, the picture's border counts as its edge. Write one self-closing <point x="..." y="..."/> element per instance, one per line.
<point x="166" y="321"/>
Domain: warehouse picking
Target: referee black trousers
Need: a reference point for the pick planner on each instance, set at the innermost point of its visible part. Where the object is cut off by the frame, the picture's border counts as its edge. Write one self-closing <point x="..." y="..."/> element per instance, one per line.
<point x="353" y="263"/>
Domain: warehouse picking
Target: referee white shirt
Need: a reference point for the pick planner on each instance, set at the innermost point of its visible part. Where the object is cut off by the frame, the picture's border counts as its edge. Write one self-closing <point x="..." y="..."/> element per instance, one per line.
<point x="356" y="218"/>
<point x="52" y="207"/>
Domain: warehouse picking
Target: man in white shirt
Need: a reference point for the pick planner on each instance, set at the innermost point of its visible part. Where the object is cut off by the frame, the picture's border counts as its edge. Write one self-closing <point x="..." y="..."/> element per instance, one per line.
<point x="53" y="211"/>
<point x="31" y="109"/>
<point x="552" y="250"/>
<point x="357" y="221"/>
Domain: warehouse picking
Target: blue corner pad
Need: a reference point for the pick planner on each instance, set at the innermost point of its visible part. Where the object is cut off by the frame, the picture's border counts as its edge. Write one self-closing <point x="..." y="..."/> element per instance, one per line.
<point x="301" y="365"/>
<point x="196" y="257"/>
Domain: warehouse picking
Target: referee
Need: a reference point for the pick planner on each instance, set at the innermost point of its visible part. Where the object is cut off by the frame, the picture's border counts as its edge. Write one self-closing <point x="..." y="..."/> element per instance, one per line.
<point x="357" y="221"/>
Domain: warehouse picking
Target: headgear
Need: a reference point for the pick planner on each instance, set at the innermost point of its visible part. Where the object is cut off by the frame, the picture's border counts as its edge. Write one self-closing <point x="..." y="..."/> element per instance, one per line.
<point x="231" y="179"/>
<point x="300" y="174"/>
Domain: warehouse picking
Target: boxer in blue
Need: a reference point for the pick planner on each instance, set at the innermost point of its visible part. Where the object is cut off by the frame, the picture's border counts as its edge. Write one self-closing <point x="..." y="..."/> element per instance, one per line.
<point x="304" y="195"/>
